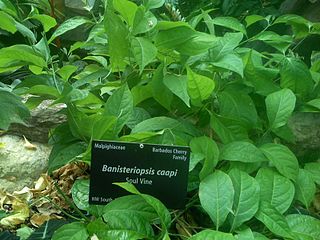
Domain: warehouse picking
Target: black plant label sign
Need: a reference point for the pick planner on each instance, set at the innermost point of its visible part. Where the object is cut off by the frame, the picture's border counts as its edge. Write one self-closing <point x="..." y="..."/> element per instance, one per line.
<point x="157" y="170"/>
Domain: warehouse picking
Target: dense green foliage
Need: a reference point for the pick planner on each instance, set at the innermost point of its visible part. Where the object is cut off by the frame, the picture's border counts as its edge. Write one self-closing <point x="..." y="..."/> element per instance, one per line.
<point x="222" y="86"/>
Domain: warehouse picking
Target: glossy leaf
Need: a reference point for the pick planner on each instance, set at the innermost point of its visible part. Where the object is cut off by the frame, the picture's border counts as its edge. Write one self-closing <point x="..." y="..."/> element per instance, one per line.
<point x="71" y="231"/>
<point x="212" y="235"/>
<point x="275" y="189"/>
<point x="304" y="227"/>
<point x="305" y="188"/>
<point x="12" y="110"/>
<point x="127" y="9"/>
<point x="7" y="22"/>
<point x="120" y="105"/>
<point x="229" y="22"/>
<point x="242" y="152"/>
<point x="210" y="152"/>
<point x="280" y="106"/>
<point x="80" y="193"/>
<point x="178" y="85"/>
<point x="47" y="22"/>
<point x="199" y="87"/>
<point x="151" y="4"/>
<point x="69" y="25"/>
<point x="216" y="194"/>
<point x="282" y="158"/>
<point x="144" y="51"/>
<point x="273" y="220"/>
<point x="143" y="21"/>
<point x="296" y="76"/>
<point x="246" y="198"/>
<point x="314" y="170"/>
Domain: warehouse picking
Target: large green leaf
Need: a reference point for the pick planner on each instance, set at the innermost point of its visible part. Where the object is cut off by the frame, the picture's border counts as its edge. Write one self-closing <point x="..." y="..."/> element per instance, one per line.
<point x="314" y="169"/>
<point x="127" y="9"/>
<point x="296" y="76"/>
<point x="275" y="189"/>
<point x="246" y="198"/>
<point x="12" y="110"/>
<point x="273" y="220"/>
<point x="304" y="227"/>
<point x="158" y="206"/>
<point x="158" y="86"/>
<point x="151" y="4"/>
<point x="69" y="25"/>
<point x="7" y="22"/>
<point x="143" y="21"/>
<point x="117" y="40"/>
<point x="242" y="152"/>
<point x="71" y="231"/>
<point x="80" y="193"/>
<point x="279" y="42"/>
<point x="8" y="7"/>
<point x="216" y="194"/>
<point x="282" y="158"/>
<point x="222" y="54"/>
<point x="19" y="55"/>
<point x="120" y="105"/>
<point x="228" y="129"/>
<point x="210" y="152"/>
<point x="178" y="85"/>
<point x="229" y="22"/>
<point x="200" y="87"/>
<point x="46" y="21"/>
<point x="235" y="105"/>
<point x="62" y="154"/>
<point x="280" y="106"/>
<point x="305" y="188"/>
<point x="212" y="235"/>
<point x="144" y="51"/>
<point x="130" y="213"/>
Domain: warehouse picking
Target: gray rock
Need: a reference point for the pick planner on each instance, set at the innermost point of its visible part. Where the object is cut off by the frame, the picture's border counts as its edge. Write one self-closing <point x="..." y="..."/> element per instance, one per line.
<point x="20" y="166"/>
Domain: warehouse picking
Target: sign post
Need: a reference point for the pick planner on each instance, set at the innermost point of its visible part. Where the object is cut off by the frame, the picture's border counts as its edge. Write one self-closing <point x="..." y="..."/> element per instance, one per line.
<point x="157" y="170"/>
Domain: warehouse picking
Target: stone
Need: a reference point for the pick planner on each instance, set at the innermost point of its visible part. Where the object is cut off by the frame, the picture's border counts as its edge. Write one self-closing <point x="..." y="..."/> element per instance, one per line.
<point x="20" y="166"/>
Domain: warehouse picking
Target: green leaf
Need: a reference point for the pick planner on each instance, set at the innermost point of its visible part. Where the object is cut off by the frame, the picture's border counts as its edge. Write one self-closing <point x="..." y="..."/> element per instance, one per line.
<point x="46" y="21"/>
<point x="178" y="85"/>
<point x="130" y="213"/>
<point x="69" y="25"/>
<point x="12" y="110"/>
<point x="8" y="7"/>
<point x="80" y="193"/>
<point x="120" y="105"/>
<point x="62" y="154"/>
<point x="152" y="4"/>
<point x="229" y="22"/>
<point x="280" y="106"/>
<point x="20" y="55"/>
<point x="279" y="42"/>
<point x="7" y="22"/>
<point x="212" y="235"/>
<point x="158" y="206"/>
<point x="275" y="189"/>
<point x="200" y="87"/>
<point x="158" y="86"/>
<point x="246" y="198"/>
<point x="24" y="232"/>
<point x="305" y="188"/>
<point x="314" y="103"/>
<point x="66" y="71"/>
<point x="210" y="152"/>
<point x="216" y="196"/>
<point x="260" y="77"/>
<point x="143" y="21"/>
<point x="314" y="170"/>
<point x="251" y="19"/>
<point x="138" y="116"/>
<point x="304" y="227"/>
<point x="127" y="9"/>
<point x="242" y="152"/>
<point x="222" y="53"/>
<point x="282" y="158"/>
<point x="245" y="234"/>
<point x="227" y="129"/>
<point x="239" y="106"/>
<point x="143" y="51"/>
<point x="296" y="76"/>
<point x="273" y="220"/>
<point x="71" y="231"/>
